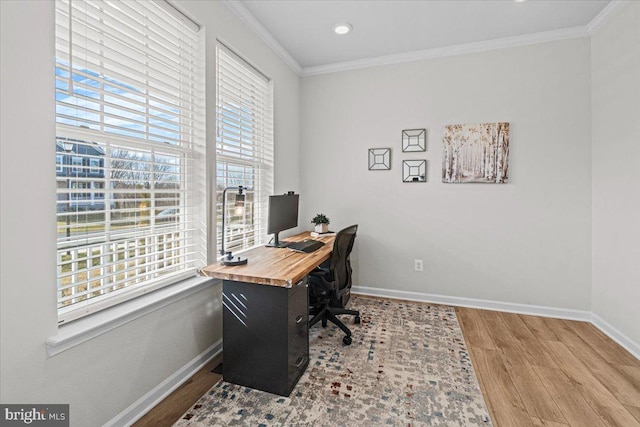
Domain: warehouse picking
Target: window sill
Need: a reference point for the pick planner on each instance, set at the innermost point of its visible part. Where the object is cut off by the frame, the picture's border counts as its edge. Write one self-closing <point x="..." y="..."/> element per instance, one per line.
<point x="81" y="330"/>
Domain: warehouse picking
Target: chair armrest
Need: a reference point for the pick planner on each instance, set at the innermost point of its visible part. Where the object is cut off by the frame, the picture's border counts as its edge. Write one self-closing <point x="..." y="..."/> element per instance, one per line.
<point x="318" y="283"/>
<point x="319" y="272"/>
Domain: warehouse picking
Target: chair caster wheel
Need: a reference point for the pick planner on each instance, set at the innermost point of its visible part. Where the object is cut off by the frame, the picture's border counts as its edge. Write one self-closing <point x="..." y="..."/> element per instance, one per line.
<point x="346" y="340"/>
<point x="357" y="320"/>
<point x="324" y="323"/>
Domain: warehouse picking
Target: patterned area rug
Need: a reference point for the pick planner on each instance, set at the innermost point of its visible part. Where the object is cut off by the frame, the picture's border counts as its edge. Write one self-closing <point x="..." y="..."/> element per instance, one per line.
<point x="407" y="366"/>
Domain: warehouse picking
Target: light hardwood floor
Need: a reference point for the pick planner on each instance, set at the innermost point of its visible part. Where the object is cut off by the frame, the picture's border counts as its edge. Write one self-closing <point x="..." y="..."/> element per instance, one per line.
<point x="537" y="371"/>
<point x="533" y="371"/>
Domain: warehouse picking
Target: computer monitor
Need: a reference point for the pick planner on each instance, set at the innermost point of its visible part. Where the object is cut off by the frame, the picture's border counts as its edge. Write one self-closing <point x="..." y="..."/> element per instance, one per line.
<point x="283" y="215"/>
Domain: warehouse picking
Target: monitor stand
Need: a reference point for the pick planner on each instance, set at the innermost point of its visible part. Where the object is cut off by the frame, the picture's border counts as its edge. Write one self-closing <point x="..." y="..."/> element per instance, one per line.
<point x="277" y="243"/>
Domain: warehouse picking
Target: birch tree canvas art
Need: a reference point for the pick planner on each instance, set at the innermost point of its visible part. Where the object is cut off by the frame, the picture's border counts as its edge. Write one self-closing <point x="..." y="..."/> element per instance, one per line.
<point x="476" y="153"/>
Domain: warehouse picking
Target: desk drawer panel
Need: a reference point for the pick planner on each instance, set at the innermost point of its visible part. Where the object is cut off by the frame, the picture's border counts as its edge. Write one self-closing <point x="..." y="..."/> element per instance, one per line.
<point x="298" y="326"/>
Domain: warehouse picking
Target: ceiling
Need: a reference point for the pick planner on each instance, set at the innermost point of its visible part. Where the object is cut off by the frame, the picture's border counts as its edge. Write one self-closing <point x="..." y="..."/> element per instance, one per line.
<point x="391" y="27"/>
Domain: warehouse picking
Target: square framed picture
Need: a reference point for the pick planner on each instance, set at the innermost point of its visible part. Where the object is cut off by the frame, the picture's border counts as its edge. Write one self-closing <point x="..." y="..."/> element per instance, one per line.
<point x="414" y="171"/>
<point x="379" y="159"/>
<point x="414" y="140"/>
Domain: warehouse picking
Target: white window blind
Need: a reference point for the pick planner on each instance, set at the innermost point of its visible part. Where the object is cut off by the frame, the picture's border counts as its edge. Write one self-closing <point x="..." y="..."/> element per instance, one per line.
<point x="244" y="148"/>
<point x="129" y="149"/>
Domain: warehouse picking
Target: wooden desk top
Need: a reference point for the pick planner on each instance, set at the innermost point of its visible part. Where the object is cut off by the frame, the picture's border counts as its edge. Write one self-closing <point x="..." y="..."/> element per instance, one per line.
<point x="274" y="266"/>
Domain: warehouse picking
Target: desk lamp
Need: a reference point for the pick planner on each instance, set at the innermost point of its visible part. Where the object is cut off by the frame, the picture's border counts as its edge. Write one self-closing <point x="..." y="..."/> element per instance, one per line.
<point x="227" y="257"/>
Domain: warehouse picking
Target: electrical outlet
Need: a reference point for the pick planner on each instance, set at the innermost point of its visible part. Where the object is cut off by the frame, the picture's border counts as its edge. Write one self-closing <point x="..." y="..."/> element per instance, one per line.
<point x="418" y="265"/>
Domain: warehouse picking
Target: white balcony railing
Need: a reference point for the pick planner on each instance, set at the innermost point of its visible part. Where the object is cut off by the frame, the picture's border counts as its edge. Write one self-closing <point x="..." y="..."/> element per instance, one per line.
<point x="96" y="269"/>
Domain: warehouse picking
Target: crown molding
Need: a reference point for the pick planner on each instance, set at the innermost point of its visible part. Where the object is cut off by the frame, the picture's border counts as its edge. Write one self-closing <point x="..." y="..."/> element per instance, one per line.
<point x="529" y="39"/>
<point x="441" y="52"/>
<point x="247" y="17"/>
<point x="605" y="15"/>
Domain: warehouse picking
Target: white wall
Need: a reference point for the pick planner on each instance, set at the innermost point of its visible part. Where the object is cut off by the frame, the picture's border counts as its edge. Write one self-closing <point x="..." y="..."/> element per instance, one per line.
<point x="615" y="60"/>
<point x="526" y="242"/>
<point x="101" y="377"/>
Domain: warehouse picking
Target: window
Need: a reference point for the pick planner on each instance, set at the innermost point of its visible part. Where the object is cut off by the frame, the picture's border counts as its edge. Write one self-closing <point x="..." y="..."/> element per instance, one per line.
<point x="244" y="148"/>
<point x="76" y="163"/>
<point x="129" y="87"/>
<point x="94" y="165"/>
<point x="59" y="163"/>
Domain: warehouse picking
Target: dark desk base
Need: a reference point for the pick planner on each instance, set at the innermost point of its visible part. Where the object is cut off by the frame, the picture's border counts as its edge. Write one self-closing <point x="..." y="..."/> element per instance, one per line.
<point x="265" y="335"/>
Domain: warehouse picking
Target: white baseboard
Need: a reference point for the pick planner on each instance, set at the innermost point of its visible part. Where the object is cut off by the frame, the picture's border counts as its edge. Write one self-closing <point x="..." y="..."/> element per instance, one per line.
<point x="536" y="310"/>
<point x="631" y="346"/>
<point x="136" y="410"/>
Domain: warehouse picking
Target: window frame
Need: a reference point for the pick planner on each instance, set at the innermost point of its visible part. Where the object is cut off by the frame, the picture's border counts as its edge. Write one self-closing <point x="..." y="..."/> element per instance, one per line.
<point x="244" y="147"/>
<point x="60" y="163"/>
<point x="76" y="164"/>
<point x="94" y="165"/>
<point x="91" y="116"/>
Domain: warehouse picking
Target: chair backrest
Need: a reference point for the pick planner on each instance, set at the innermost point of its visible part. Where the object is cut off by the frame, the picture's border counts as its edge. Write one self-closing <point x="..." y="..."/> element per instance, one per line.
<point x="340" y="264"/>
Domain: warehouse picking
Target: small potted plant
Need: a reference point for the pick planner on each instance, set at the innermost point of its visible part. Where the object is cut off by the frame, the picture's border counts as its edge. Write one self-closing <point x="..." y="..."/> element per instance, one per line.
<point x="321" y="222"/>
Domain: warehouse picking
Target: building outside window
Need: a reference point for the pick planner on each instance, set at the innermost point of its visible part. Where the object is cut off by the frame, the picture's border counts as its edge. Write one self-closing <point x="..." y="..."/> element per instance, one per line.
<point x="70" y="176"/>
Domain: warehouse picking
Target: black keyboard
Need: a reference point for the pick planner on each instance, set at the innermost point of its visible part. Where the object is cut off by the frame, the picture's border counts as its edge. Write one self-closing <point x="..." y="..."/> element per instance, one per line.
<point x="306" y="246"/>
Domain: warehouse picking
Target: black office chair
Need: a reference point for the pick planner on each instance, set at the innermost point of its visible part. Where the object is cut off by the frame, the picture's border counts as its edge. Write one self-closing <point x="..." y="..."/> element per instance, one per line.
<point x="330" y="285"/>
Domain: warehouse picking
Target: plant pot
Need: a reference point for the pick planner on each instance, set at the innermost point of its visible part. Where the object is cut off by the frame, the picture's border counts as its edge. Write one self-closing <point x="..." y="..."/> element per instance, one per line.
<point x="322" y="228"/>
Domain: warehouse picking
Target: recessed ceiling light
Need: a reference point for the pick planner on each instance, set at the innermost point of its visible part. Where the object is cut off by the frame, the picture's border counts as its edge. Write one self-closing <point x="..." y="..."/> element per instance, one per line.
<point x="342" y="29"/>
